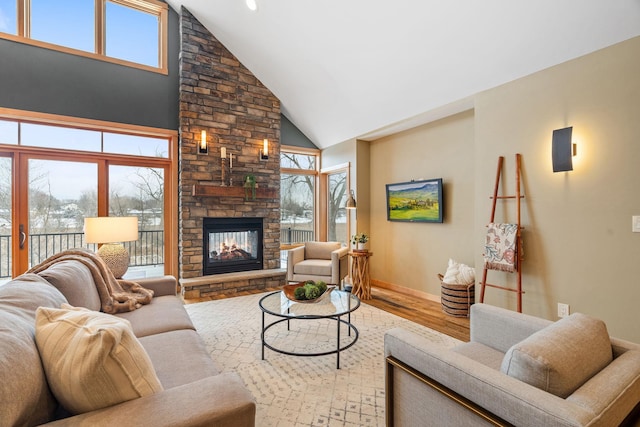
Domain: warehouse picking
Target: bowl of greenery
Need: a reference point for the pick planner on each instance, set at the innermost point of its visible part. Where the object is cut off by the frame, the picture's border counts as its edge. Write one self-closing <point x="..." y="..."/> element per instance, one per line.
<point x="307" y="292"/>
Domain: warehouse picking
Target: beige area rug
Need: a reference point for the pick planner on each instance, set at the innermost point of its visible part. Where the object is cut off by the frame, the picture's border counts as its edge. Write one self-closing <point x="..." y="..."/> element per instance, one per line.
<point x="304" y="391"/>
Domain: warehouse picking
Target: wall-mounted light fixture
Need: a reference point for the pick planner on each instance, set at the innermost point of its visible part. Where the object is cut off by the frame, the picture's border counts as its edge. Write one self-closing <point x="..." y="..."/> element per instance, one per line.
<point x="563" y="150"/>
<point x="203" y="147"/>
<point x="264" y="151"/>
<point x="351" y="201"/>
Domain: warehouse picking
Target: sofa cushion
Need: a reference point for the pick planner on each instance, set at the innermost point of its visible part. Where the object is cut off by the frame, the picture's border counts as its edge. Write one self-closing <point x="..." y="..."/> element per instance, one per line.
<point x="481" y="353"/>
<point x="188" y="360"/>
<point x="320" y="250"/>
<point x="24" y="394"/>
<point x="163" y="314"/>
<point x="561" y="357"/>
<point x="92" y="359"/>
<point x="74" y="280"/>
<point x="313" y="267"/>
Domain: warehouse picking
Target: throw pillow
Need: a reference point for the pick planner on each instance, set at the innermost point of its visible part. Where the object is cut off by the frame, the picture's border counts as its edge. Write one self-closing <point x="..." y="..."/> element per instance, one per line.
<point x="459" y="274"/>
<point x="561" y="357"/>
<point x="92" y="360"/>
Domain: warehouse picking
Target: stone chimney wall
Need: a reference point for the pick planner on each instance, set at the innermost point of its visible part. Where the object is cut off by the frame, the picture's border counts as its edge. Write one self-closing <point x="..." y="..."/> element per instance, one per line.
<point x="221" y="96"/>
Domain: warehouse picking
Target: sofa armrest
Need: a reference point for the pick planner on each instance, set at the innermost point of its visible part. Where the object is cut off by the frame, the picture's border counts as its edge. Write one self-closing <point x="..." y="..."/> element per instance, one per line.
<point x="221" y="400"/>
<point x="338" y="262"/>
<point x="294" y="256"/>
<point x="613" y="392"/>
<point x="514" y="401"/>
<point x="163" y="285"/>
<point x="487" y="320"/>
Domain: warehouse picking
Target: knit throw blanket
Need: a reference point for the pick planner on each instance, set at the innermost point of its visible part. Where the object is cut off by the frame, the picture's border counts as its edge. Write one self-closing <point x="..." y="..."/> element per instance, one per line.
<point x="500" y="247"/>
<point x="116" y="295"/>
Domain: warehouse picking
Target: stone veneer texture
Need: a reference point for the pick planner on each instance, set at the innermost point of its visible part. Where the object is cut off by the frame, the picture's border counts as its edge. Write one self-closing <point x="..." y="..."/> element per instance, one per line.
<point x="218" y="94"/>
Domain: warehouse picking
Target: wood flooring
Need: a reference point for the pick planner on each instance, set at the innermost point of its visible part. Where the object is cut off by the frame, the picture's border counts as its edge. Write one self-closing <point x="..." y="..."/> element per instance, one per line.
<point x="424" y="312"/>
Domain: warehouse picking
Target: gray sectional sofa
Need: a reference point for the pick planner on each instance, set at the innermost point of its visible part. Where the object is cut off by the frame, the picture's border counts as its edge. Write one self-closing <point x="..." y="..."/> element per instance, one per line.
<point x="194" y="392"/>
<point x="516" y="370"/>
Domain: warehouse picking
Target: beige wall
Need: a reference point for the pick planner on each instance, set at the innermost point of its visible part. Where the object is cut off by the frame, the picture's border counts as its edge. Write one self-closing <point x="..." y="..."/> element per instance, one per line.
<point x="579" y="248"/>
<point x="412" y="254"/>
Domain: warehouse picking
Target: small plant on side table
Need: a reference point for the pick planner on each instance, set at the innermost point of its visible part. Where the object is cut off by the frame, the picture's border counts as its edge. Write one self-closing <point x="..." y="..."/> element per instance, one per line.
<point x="359" y="239"/>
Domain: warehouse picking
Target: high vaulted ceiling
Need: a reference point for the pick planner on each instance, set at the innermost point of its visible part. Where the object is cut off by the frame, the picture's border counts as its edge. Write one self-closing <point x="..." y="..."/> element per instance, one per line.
<point x="365" y="68"/>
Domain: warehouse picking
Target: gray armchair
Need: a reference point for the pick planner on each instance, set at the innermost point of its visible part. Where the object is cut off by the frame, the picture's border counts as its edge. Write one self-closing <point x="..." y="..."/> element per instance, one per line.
<point x="517" y="370"/>
<point x="326" y="261"/>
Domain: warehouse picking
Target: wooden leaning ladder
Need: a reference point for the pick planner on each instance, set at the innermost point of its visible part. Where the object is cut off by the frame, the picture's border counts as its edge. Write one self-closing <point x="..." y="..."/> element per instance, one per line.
<point x="495" y="199"/>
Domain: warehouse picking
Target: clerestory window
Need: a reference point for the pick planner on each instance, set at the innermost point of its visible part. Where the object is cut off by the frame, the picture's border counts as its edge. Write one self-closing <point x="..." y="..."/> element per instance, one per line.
<point x="127" y="32"/>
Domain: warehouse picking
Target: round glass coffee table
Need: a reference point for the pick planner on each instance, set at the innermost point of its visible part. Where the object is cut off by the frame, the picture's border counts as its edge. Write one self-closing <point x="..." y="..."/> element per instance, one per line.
<point x="332" y="306"/>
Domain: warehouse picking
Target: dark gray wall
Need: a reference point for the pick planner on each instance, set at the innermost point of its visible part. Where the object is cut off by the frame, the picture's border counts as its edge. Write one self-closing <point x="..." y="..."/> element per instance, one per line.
<point x="43" y="80"/>
<point x="291" y="135"/>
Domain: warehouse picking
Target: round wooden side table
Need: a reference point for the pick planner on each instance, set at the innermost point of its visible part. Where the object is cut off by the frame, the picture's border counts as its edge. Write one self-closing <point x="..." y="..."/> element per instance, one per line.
<point x="360" y="277"/>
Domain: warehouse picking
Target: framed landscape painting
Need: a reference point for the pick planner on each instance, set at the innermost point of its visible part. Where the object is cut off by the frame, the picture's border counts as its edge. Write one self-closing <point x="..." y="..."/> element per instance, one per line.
<point x="415" y="201"/>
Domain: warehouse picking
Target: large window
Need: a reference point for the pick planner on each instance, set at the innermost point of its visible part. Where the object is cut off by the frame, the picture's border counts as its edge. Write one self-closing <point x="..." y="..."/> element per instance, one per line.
<point x="52" y="176"/>
<point x="298" y="182"/>
<point x="128" y="32"/>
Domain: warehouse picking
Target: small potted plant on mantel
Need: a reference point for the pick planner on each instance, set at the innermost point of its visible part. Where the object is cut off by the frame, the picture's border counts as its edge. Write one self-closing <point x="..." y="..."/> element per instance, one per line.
<point x="359" y="240"/>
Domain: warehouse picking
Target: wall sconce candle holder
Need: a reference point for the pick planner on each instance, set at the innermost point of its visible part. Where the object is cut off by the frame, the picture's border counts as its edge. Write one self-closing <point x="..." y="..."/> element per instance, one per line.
<point x="223" y="166"/>
<point x="264" y="151"/>
<point x="203" y="147"/>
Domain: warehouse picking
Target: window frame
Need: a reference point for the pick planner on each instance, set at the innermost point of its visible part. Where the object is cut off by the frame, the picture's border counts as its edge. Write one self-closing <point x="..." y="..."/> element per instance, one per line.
<point x="315" y="173"/>
<point x="21" y="153"/>
<point x="154" y="7"/>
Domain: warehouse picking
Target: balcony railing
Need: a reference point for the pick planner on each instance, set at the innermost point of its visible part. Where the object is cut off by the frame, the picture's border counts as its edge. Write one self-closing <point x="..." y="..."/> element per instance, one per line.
<point x="147" y="250"/>
<point x="291" y="235"/>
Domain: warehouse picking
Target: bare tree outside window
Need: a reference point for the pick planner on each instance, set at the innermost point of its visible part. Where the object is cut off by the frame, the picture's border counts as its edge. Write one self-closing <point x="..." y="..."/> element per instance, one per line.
<point x="58" y="203"/>
<point x="297" y="193"/>
<point x="139" y="191"/>
<point x="336" y="211"/>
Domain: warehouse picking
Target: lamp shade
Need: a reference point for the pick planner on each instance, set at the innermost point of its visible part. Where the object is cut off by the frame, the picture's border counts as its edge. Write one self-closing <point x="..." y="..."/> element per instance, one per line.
<point x="111" y="229"/>
<point x="351" y="201"/>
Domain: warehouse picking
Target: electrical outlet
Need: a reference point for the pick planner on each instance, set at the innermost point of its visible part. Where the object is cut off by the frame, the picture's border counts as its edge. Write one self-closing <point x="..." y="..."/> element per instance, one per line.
<point x="563" y="310"/>
<point x="635" y="223"/>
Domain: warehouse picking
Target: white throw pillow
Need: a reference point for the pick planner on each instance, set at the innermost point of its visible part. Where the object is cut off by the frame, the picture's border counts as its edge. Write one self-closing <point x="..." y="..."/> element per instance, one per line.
<point x="459" y="274"/>
<point x="92" y="360"/>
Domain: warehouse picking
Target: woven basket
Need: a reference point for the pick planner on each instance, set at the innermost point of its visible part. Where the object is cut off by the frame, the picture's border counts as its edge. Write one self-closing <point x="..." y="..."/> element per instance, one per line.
<point x="457" y="299"/>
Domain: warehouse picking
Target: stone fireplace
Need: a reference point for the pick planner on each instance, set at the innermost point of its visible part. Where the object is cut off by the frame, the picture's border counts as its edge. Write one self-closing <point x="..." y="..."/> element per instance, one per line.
<point x="220" y="95"/>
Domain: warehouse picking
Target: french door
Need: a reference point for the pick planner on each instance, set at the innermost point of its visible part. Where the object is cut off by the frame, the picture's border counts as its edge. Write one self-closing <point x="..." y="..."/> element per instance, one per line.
<point x="43" y="205"/>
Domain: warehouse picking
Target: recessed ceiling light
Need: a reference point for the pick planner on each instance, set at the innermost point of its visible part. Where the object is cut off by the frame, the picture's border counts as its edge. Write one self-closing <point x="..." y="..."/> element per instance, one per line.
<point x="252" y="5"/>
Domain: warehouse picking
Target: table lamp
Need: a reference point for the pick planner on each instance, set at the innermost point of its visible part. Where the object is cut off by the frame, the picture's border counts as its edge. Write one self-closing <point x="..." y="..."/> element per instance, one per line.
<point x="110" y="231"/>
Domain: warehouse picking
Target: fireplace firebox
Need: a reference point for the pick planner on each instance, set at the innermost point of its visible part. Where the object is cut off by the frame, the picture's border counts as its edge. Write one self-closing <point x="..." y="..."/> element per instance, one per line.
<point x="231" y="245"/>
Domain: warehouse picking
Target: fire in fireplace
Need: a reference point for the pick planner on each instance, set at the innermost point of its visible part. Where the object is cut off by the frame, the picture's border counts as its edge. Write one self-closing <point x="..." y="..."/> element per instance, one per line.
<point x="231" y="245"/>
